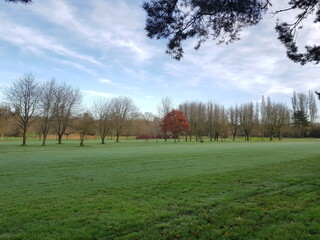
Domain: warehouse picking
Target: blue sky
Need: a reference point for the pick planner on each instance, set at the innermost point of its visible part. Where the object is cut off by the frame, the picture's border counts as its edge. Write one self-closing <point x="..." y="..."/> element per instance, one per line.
<point x="101" y="47"/>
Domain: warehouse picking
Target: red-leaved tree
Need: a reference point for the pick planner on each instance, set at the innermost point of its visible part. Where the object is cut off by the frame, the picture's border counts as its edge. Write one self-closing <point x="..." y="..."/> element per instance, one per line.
<point x="176" y="123"/>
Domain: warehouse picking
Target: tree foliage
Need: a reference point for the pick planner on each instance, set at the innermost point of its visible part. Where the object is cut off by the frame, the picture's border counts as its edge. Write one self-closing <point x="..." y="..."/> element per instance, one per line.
<point x="223" y="20"/>
<point x="20" y="1"/>
<point x="287" y="32"/>
<point x="175" y="122"/>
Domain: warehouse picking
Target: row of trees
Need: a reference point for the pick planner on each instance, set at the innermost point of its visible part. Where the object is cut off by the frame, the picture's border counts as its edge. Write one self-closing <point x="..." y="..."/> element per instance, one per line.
<point x="54" y="108"/>
<point x="267" y="118"/>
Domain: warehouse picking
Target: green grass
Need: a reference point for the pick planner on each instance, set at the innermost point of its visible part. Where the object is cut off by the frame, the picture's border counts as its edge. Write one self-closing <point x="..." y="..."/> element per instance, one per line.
<point x="149" y="190"/>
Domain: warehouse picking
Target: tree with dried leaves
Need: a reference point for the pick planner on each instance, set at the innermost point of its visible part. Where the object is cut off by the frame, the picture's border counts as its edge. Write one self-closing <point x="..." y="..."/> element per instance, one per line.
<point x="24" y="96"/>
<point x="175" y="122"/>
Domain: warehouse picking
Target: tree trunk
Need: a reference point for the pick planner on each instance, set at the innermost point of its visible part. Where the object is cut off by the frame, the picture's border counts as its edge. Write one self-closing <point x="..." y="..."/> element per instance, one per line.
<point x="280" y="135"/>
<point x="81" y="140"/>
<point x="102" y="140"/>
<point x="59" y="138"/>
<point x="117" y="140"/>
<point x="44" y="140"/>
<point x="246" y="136"/>
<point x="211" y="137"/>
<point x="24" y="137"/>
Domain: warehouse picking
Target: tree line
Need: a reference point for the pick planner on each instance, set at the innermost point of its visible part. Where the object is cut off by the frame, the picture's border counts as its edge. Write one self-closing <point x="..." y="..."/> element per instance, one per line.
<point x="55" y="108"/>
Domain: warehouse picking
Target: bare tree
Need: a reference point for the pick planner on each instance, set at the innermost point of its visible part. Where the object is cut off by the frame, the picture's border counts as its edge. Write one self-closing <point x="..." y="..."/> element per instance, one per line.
<point x="67" y="98"/>
<point x="84" y="125"/>
<point x="274" y="117"/>
<point x="185" y="109"/>
<point x="102" y="111"/>
<point x="234" y="119"/>
<point x="269" y="117"/>
<point x="283" y="118"/>
<point x="123" y="111"/>
<point x="165" y="107"/>
<point x="24" y="97"/>
<point x="247" y="119"/>
<point x="210" y="119"/>
<point x="313" y="110"/>
<point x="196" y="116"/>
<point x="220" y="121"/>
<point x="199" y="117"/>
<point x="47" y="104"/>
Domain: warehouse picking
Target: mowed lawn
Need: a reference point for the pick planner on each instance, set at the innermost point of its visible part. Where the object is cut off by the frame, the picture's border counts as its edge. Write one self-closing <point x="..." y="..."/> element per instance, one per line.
<point x="149" y="190"/>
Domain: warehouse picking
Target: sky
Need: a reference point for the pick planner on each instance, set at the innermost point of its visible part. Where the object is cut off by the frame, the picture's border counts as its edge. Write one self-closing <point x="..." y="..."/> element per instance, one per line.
<point x="101" y="47"/>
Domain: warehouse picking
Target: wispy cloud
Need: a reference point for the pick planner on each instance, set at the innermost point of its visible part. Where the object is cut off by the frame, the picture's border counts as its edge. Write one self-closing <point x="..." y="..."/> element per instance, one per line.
<point x="30" y="39"/>
<point x="99" y="94"/>
<point x="107" y="81"/>
<point x="105" y="25"/>
<point x="118" y="85"/>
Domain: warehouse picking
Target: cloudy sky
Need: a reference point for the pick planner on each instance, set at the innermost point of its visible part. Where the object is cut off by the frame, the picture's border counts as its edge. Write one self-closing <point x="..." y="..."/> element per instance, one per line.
<point x="101" y="47"/>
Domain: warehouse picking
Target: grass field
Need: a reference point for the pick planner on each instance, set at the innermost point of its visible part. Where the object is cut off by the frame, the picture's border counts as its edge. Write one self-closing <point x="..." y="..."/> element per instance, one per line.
<point x="149" y="190"/>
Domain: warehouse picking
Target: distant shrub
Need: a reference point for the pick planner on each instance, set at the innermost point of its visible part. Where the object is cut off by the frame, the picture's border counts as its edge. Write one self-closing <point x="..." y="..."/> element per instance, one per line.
<point x="145" y="136"/>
